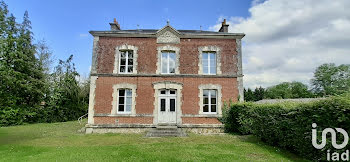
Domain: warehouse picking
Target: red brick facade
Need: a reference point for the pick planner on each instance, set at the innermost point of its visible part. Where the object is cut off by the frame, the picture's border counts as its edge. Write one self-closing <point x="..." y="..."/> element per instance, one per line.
<point x="147" y="49"/>
<point x="101" y="107"/>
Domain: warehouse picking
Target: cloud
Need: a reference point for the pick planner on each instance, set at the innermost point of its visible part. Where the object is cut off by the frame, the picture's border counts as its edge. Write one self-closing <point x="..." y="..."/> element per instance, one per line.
<point x="286" y="40"/>
<point x="83" y="35"/>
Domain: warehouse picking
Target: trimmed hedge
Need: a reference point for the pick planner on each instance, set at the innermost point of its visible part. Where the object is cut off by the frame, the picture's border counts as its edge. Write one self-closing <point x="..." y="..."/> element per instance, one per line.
<point x="289" y="125"/>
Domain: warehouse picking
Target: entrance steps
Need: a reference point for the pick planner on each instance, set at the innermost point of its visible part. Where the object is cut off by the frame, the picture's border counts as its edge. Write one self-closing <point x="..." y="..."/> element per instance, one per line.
<point x="166" y="131"/>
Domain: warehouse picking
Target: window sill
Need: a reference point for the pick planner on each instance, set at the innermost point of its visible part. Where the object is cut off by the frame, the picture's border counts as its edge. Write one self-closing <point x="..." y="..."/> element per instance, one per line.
<point x="125" y="73"/>
<point x="123" y="115"/>
<point x="167" y="73"/>
<point x="202" y="115"/>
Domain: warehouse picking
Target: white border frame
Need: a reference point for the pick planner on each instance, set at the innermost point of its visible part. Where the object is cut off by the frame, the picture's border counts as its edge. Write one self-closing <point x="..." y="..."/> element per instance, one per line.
<point x="159" y="59"/>
<point x="216" y="87"/>
<point x="125" y="47"/>
<point x="209" y="102"/>
<point x="115" y="95"/>
<point x="215" y="49"/>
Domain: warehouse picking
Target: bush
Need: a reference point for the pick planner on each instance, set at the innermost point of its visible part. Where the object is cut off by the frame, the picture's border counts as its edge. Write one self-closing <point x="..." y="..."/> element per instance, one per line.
<point x="289" y="125"/>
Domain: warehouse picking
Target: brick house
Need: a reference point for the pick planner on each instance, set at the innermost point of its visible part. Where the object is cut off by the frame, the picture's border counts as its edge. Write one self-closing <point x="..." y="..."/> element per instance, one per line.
<point x="145" y="78"/>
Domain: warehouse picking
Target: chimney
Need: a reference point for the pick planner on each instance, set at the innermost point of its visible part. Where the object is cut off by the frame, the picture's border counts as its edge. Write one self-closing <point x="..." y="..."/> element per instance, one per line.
<point x="115" y="25"/>
<point x="224" y="27"/>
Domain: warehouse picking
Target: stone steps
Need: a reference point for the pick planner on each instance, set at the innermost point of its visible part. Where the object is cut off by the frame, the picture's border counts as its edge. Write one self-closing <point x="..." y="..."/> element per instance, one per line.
<point x="166" y="131"/>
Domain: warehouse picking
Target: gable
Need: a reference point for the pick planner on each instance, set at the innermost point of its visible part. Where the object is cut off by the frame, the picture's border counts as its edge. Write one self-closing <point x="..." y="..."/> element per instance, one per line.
<point x="168" y="35"/>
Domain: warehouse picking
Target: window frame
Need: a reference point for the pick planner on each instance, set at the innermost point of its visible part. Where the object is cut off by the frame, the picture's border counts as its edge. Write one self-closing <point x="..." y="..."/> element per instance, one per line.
<point x="173" y="49"/>
<point x="115" y="101"/>
<point x="117" y="58"/>
<point x="214" y="49"/>
<point x="209" y="66"/>
<point x="125" y="98"/>
<point x="209" y="101"/>
<point x="219" y="103"/>
<point x="126" y="61"/>
<point x="168" y="62"/>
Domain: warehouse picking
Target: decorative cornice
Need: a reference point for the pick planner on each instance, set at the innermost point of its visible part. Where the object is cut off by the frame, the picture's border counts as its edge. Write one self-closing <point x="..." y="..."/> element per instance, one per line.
<point x="166" y="75"/>
<point x="181" y="36"/>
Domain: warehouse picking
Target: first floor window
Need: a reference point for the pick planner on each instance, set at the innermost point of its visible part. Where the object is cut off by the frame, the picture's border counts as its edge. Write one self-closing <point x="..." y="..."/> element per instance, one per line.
<point x="126" y="62"/>
<point x="209" y="101"/>
<point x="168" y="62"/>
<point x="125" y="100"/>
<point x="209" y="62"/>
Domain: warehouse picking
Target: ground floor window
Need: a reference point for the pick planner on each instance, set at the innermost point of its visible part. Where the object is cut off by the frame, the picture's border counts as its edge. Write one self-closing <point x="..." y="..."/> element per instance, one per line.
<point x="209" y="101"/>
<point x="124" y="100"/>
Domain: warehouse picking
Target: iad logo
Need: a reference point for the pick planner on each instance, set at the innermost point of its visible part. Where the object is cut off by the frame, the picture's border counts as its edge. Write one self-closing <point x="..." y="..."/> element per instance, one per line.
<point x="335" y="156"/>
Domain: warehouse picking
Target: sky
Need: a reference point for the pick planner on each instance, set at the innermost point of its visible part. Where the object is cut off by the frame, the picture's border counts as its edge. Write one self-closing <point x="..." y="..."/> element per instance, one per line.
<point x="285" y="40"/>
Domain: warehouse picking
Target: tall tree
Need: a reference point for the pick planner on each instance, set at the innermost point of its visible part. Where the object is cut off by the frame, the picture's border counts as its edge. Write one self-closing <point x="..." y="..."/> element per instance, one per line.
<point x="330" y="79"/>
<point x="21" y="75"/>
<point x="66" y="102"/>
<point x="28" y="65"/>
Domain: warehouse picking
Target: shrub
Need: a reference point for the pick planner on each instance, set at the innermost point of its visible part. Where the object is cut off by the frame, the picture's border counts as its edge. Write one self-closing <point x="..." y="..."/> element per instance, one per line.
<point x="289" y="125"/>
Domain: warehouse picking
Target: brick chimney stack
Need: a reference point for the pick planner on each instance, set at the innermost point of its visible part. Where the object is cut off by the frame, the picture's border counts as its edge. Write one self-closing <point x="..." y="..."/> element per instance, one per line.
<point x="115" y="25"/>
<point x="224" y="27"/>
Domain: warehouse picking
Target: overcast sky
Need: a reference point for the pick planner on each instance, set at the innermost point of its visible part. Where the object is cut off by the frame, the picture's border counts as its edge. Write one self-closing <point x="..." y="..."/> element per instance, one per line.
<point x="285" y="39"/>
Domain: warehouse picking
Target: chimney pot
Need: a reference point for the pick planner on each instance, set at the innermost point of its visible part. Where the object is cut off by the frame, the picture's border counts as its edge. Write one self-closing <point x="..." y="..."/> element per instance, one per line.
<point x="224" y="27"/>
<point x="115" y="25"/>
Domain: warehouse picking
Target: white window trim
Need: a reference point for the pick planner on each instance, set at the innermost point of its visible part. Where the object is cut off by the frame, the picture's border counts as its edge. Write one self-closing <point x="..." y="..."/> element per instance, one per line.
<point x="168" y="62"/>
<point x="218" y="98"/>
<point x="217" y="51"/>
<point x="126" y="61"/>
<point x="123" y="112"/>
<point x="115" y="95"/>
<point x="125" y="47"/>
<point x="209" y="65"/>
<point x="209" y="102"/>
<point x="159" y="59"/>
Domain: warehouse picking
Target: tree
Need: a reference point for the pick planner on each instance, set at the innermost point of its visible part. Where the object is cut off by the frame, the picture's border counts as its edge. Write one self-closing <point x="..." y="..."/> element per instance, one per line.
<point x="249" y="95"/>
<point x="330" y="79"/>
<point x="300" y="90"/>
<point x="21" y="76"/>
<point x="288" y="90"/>
<point x="259" y="93"/>
<point x="44" y="56"/>
<point x="65" y="102"/>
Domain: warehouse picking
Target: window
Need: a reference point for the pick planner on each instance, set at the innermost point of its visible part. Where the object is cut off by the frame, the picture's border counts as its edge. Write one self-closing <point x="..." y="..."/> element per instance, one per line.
<point x="125" y="100"/>
<point x="209" y="101"/>
<point x="126" y="62"/>
<point x="168" y="62"/>
<point x="209" y="62"/>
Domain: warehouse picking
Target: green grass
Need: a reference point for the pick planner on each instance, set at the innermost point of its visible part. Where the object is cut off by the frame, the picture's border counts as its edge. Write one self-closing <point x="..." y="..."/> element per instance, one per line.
<point x="62" y="142"/>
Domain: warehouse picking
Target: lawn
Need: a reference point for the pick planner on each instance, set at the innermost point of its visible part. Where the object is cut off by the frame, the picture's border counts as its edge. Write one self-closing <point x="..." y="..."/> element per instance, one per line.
<point x="62" y="142"/>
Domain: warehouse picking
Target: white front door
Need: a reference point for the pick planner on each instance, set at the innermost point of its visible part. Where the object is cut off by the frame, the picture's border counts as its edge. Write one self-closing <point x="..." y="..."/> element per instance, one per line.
<point x="167" y="107"/>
